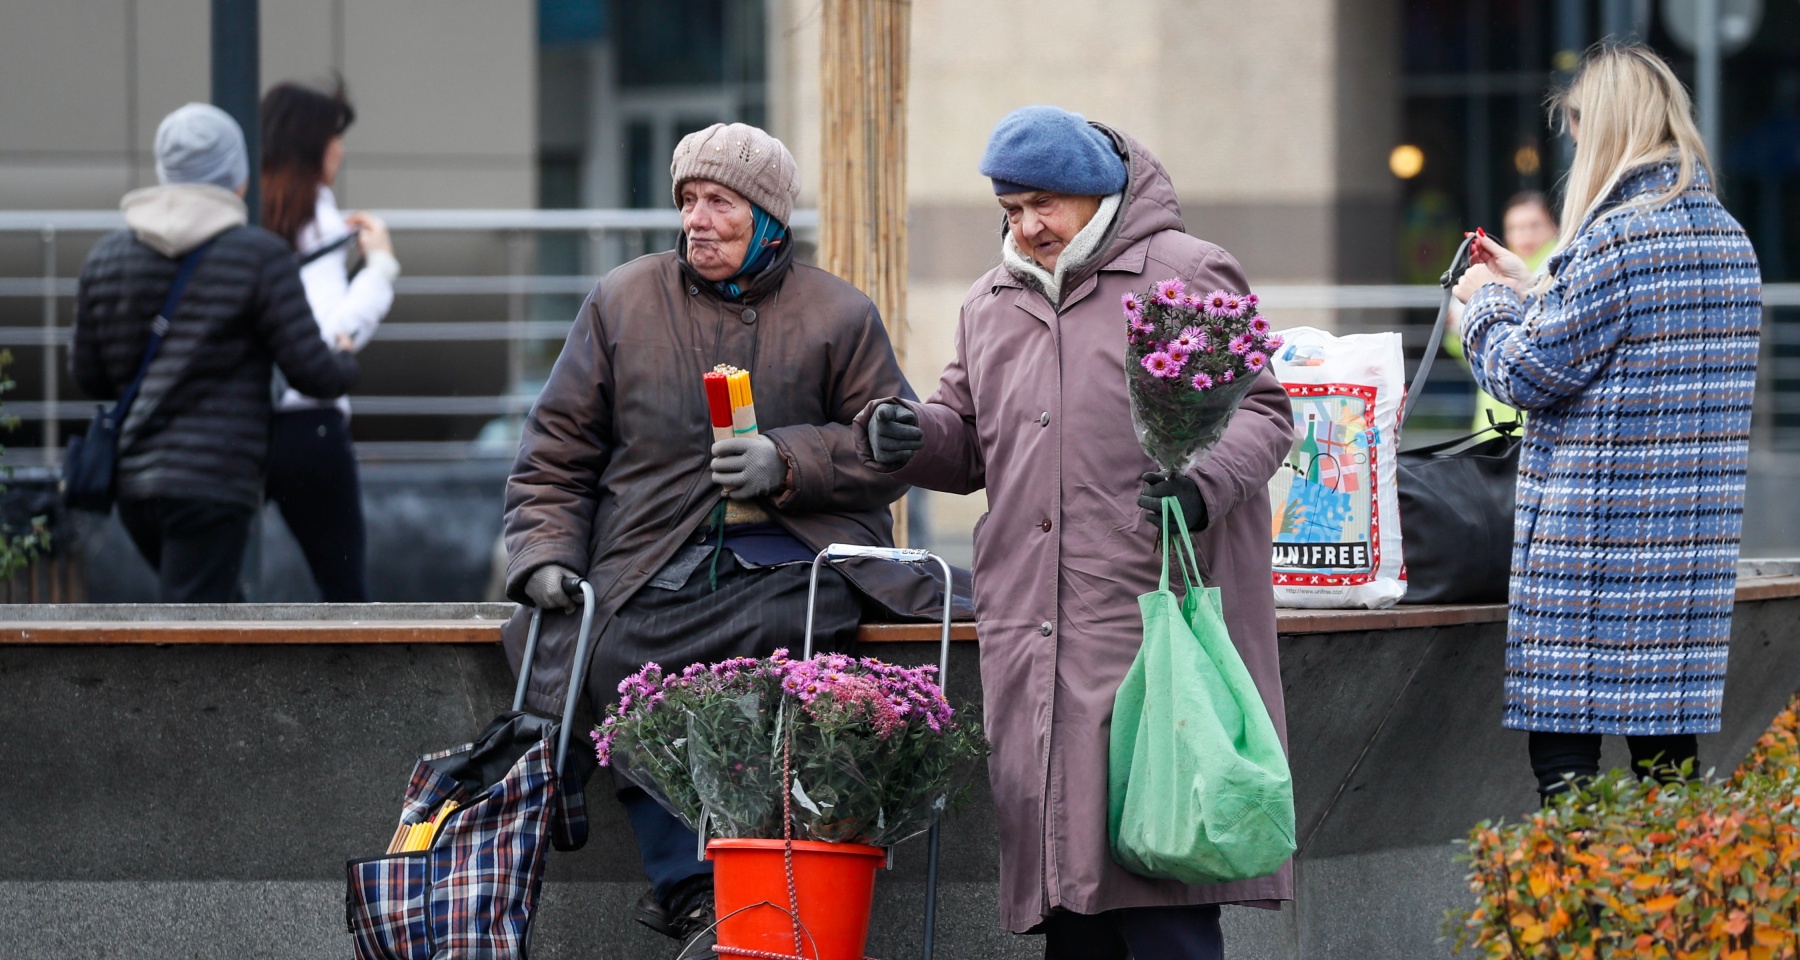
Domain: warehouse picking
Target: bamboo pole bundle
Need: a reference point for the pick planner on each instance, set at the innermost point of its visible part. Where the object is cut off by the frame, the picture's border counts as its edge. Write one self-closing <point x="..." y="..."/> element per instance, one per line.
<point x="862" y="186"/>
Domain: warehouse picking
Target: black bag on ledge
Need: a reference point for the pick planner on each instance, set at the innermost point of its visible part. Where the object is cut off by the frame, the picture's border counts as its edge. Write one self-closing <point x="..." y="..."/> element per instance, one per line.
<point x="90" y="471"/>
<point x="1456" y="497"/>
<point x="1456" y="516"/>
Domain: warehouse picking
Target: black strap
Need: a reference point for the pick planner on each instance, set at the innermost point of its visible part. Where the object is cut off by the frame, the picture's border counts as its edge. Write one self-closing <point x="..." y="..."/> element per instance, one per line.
<point x="333" y="246"/>
<point x="159" y="328"/>
<point x="1459" y="265"/>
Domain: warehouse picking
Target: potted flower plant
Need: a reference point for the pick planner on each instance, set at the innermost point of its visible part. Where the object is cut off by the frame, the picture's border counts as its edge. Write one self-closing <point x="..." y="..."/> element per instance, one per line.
<point x="801" y="769"/>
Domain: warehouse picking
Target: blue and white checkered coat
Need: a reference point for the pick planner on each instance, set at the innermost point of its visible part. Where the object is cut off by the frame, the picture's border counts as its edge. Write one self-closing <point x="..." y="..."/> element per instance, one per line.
<point x="1638" y="365"/>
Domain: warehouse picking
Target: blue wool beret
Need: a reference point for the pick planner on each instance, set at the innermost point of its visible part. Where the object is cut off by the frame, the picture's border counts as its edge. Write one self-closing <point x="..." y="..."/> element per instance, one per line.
<point x="1049" y="148"/>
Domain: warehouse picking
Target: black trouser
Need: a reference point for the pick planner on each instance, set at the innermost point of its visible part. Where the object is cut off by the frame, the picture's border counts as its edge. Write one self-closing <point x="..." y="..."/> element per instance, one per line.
<point x="312" y="479"/>
<point x="1138" y="933"/>
<point x="1554" y="755"/>
<point x="195" y="546"/>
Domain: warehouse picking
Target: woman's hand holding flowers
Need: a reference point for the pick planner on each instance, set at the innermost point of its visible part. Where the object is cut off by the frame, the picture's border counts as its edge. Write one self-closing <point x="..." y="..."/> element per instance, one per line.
<point x="1158" y="485"/>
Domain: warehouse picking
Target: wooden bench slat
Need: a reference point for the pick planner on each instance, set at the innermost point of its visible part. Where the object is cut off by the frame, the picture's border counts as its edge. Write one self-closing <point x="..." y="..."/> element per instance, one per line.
<point x="1288" y="622"/>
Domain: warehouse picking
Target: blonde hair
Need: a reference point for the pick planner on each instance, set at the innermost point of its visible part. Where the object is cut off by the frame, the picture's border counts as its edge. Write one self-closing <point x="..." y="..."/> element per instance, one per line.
<point x="1632" y="111"/>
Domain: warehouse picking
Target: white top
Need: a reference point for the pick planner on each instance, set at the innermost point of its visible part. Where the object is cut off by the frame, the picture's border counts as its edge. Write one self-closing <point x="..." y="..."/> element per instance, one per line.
<point x="340" y="305"/>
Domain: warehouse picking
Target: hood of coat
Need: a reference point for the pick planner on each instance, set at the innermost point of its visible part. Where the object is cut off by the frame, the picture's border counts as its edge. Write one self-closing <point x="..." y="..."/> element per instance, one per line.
<point x="1149" y="207"/>
<point x="177" y="217"/>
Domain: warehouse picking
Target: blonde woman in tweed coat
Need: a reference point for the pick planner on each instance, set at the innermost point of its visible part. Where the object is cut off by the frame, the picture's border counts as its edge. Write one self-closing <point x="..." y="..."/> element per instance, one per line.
<point x="1635" y="351"/>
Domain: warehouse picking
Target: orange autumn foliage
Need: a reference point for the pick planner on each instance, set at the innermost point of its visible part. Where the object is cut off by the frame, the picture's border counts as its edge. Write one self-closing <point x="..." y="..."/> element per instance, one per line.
<point x="1700" y="870"/>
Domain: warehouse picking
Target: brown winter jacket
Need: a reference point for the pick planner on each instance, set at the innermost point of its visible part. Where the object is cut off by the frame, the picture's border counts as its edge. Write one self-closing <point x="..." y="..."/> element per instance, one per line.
<point x="613" y="469"/>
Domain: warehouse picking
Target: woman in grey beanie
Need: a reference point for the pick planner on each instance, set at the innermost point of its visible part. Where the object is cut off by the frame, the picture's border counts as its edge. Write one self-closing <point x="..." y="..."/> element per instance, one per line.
<point x="193" y="447"/>
<point x="199" y="143"/>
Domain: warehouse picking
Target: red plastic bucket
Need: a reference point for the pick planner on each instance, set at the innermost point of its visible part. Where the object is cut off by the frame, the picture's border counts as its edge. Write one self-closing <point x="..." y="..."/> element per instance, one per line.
<point x="834" y="882"/>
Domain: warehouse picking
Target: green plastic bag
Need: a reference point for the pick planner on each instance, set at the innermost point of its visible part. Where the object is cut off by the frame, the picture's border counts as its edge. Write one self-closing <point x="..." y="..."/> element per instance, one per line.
<point x="1199" y="789"/>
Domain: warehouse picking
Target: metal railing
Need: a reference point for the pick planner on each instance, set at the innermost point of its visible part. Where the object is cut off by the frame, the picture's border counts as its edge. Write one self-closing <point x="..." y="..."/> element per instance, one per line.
<point x="611" y="237"/>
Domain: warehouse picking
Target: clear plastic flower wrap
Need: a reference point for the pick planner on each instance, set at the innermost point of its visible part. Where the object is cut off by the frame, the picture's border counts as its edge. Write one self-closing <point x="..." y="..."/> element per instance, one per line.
<point x="873" y="751"/>
<point x="1189" y="361"/>
<point x="877" y="755"/>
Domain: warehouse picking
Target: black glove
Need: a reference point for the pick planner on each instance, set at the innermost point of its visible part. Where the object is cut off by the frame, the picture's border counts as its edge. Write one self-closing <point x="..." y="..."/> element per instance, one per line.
<point x="1158" y="485"/>
<point x="894" y="434"/>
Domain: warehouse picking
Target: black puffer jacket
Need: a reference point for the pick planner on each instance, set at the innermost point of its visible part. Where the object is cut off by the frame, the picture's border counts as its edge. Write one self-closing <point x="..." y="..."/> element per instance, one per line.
<point x="200" y="426"/>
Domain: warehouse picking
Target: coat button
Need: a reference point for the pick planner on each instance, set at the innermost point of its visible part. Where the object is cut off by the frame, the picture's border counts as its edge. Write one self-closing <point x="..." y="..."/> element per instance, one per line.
<point x="748" y="316"/>
<point x="1044" y="419"/>
<point x="692" y="290"/>
<point x="1044" y="525"/>
<point x="1045" y="628"/>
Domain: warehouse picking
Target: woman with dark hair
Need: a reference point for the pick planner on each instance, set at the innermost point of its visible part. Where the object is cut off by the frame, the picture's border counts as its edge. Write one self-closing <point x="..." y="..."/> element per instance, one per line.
<point x="312" y="466"/>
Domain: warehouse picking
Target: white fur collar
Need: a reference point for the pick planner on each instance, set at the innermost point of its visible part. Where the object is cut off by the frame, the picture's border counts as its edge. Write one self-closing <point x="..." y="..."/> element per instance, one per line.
<point x="1077" y="254"/>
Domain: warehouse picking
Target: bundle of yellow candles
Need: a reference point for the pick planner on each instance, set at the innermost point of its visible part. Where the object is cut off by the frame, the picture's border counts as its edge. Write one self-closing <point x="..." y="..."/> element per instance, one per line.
<point x="414" y="837"/>
<point x="730" y="402"/>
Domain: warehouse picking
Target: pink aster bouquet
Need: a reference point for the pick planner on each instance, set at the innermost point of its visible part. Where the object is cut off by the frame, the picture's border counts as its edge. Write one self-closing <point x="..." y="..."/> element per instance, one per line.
<point x="874" y="752"/>
<point x="1189" y="360"/>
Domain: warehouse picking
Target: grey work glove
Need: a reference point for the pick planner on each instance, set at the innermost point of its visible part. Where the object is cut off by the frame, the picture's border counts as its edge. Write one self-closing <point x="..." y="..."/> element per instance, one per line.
<point x="894" y="434"/>
<point x="545" y="588"/>
<point x="1158" y="485"/>
<point x="748" y="467"/>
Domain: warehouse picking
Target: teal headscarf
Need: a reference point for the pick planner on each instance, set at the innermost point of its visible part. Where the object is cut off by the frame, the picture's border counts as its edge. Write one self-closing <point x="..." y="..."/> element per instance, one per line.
<point x="766" y="237"/>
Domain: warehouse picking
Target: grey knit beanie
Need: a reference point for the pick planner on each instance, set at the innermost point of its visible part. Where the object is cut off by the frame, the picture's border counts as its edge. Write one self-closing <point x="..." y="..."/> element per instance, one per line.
<point x="200" y="143"/>
<point x="742" y="157"/>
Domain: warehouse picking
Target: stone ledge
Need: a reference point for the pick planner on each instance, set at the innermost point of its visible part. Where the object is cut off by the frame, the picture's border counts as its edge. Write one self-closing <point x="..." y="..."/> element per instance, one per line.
<point x="376" y="623"/>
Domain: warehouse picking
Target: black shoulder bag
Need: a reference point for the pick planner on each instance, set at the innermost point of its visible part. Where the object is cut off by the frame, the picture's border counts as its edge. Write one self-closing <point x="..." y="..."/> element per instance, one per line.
<point x="1456" y="497"/>
<point x="90" y="470"/>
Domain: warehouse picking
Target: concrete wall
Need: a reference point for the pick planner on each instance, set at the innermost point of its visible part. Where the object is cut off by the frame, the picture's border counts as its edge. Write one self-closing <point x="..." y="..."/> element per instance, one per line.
<point x="444" y="92"/>
<point x="200" y="801"/>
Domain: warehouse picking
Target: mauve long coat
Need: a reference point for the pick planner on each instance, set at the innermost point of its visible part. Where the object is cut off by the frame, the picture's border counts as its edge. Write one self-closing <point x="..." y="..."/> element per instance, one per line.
<point x="1033" y="408"/>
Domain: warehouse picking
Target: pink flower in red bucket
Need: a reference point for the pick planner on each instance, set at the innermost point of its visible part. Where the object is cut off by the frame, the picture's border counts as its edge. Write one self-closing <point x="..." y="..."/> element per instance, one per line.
<point x="1163" y="364"/>
<point x="1168" y="293"/>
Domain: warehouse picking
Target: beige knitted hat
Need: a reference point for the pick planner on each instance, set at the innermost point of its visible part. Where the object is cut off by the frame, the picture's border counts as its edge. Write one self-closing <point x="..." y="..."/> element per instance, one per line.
<point x="742" y="157"/>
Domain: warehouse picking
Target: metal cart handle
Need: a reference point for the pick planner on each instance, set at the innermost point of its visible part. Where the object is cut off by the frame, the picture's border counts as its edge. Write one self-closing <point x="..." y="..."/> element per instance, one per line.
<point x="577" y="671"/>
<point x="852" y="551"/>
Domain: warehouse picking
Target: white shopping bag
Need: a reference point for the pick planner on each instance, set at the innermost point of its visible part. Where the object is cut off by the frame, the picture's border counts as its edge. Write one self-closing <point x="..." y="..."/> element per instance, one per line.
<point x="1336" y="518"/>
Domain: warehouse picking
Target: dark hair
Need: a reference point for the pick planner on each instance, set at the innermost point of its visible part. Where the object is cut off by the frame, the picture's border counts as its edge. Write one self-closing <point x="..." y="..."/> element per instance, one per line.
<point x="298" y="123"/>
<point x="1526" y="197"/>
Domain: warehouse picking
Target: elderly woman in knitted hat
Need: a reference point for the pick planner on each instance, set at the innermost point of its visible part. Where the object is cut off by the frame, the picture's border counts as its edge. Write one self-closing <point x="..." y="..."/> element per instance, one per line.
<point x="699" y="551"/>
<point x="1033" y="408"/>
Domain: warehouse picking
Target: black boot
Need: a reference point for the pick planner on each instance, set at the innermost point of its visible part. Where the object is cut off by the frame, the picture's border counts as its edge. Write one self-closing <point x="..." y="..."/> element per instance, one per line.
<point x="690" y="914"/>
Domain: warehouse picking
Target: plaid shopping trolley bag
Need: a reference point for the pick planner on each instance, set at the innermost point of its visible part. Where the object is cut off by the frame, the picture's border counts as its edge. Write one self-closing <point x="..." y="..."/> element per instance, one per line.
<point x="462" y="874"/>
